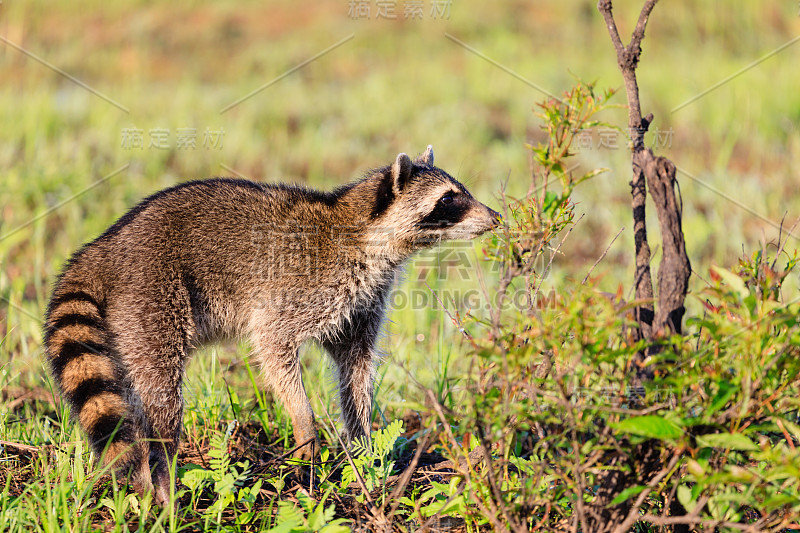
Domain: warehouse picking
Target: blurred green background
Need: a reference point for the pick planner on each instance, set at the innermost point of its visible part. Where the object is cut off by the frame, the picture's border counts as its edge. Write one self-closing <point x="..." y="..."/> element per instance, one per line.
<point x="463" y="76"/>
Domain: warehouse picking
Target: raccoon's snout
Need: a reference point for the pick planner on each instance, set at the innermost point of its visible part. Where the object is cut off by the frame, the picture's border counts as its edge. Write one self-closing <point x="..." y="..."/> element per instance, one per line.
<point x="495" y="216"/>
<point x="483" y="220"/>
<point x="491" y="218"/>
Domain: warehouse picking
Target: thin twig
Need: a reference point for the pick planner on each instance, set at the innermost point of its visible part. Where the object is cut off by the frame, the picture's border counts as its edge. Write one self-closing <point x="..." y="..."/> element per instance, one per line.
<point x="495" y="489"/>
<point x="641" y="24"/>
<point x="634" y="515"/>
<point x="456" y="322"/>
<point x="290" y="452"/>
<point x="491" y="515"/>
<point x="552" y="256"/>
<point x="376" y="513"/>
<point x="781" y="245"/>
<point x="405" y="478"/>
<point x="21" y="447"/>
<point x="604" y="6"/>
<point x="602" y="256"/>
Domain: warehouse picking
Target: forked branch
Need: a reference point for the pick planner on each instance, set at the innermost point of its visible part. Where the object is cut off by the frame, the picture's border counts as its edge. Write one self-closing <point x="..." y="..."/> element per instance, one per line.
<point x="658" y="174"/>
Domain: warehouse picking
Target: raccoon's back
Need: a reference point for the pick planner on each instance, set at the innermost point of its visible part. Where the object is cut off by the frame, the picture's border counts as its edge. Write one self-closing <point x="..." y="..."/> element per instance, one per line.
<point x="219" y="238"/>
<point x="213" y="220"/>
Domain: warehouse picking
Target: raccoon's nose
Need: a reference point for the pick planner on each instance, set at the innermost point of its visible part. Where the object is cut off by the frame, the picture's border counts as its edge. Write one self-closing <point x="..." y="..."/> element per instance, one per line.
<point x="495" y="216"/>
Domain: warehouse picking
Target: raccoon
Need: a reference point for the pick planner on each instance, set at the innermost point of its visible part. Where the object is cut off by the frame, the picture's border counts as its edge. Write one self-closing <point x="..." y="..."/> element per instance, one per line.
<point x="276" y="264"/>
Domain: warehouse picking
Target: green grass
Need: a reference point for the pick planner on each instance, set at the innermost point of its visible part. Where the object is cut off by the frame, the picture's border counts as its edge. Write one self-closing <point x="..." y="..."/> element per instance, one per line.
<point x="396" y="86"/>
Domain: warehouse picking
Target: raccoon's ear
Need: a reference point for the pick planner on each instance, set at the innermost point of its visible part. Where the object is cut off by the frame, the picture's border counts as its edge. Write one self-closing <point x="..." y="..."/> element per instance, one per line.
<point x="401" y="172"/>
<point x="427" y="157"/>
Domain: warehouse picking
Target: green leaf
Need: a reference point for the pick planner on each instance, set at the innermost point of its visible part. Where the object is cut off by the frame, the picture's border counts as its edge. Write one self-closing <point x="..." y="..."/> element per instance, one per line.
<point x="779" y="500"/>
<point x="626" y="494"/>
<point x="551" y="200"/>
<point x="193" y="476"/>
<point x="316" y="518"/>
<point x="591" y="174"/>
<point x="732" y="280"/>
<point x="290" y="519"/>
<point x="732" y="441"/>
<point x="792" y="428"/>
<point x="650" y="426"/>
<point x="338" y="526"/>
<point x="725" y="392"/>
<point x="456" y="505"/>
<point x="686" y="497"/>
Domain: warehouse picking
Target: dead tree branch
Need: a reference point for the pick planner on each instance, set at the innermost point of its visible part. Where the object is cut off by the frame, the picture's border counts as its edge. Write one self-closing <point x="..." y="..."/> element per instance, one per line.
<point x="657" y="174"/>
<point x="628" y="60"/>
<point x="674" y="270"/>
<point x="654" y="321"/>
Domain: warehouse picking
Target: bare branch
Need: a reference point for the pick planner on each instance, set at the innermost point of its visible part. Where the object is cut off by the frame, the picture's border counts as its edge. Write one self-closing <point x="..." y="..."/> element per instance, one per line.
<point x="633" y="515"/>
<point x="628" y="60"/>
<point x="377" y="514"/>
<point x="675" y="268"/>
<point x="657" y="174"/>
<point x="604" y="6"/>
<point x="602" y="256"/>
<point x="405" y="477"/>
<point x="641" y="24"/>
<point x="781" y="245"/>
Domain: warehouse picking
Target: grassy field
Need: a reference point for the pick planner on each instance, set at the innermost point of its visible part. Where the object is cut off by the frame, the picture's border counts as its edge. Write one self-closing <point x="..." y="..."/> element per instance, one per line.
<point x="101" y="101"/>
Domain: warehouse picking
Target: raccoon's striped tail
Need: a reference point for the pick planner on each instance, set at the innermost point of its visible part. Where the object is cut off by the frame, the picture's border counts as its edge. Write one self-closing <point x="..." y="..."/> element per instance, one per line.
<point x="77" y="345"/>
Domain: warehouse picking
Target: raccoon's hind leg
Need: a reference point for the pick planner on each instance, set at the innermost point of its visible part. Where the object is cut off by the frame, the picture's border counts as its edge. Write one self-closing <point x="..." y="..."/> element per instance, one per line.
<point x="85" y="365"/>
<point x="281" y="370"/>
<point x="353" y="351"/>
<point x="155" y="346"/>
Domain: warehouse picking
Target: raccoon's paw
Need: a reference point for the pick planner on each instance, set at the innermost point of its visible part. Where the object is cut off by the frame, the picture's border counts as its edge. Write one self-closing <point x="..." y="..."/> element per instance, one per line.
<point x="161" y="489"/>
<point x="156" y="485"/>
<point x="143" y="485"/>
<point x="309" y="449"/>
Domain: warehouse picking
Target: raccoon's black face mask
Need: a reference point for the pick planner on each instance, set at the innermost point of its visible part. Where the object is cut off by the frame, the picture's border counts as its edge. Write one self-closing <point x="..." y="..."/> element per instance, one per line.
<point x="420" y="204"/>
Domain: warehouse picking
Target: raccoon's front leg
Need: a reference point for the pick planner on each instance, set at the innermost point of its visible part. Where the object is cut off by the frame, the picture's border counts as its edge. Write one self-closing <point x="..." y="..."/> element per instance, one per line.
<point x="281" y="370"/>
<point x="354" y="355"/>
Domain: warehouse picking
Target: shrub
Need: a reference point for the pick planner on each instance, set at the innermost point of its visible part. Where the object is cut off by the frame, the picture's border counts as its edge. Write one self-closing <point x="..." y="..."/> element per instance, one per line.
<point x="572" y="438"/>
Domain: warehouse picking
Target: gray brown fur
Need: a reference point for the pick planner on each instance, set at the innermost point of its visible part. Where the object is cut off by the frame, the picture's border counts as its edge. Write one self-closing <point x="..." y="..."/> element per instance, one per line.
<point x="273" y="263"/>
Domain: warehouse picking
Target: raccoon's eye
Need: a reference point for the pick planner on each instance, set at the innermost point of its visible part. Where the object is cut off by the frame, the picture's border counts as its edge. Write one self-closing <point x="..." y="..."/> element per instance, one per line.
<point x="447" y="199"/>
